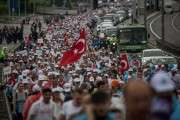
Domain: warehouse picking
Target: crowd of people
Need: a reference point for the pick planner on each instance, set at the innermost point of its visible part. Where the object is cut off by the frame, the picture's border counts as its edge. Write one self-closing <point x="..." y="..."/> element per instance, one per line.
<point x="91" y="88"/>
<point x="11" y="34"/>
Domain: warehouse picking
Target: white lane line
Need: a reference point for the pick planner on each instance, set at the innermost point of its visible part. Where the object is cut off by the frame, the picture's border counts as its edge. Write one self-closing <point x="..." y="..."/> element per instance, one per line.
<point x="173" y="25"/>
<point x="151" y="28"/>
<point x="152" y="15"/>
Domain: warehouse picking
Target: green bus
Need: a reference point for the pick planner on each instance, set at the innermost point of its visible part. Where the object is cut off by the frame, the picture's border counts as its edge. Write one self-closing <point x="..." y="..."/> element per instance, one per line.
<point x="132" y="38"/>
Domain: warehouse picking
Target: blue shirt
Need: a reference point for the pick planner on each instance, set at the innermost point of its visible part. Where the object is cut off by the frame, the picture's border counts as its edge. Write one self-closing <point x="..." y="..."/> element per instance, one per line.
<point x="110" y="116"/>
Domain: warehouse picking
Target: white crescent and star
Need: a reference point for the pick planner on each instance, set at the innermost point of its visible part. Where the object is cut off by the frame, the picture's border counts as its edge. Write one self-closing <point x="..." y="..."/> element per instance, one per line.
<point x="125" y="64"/>
<point x="80" y="51"/>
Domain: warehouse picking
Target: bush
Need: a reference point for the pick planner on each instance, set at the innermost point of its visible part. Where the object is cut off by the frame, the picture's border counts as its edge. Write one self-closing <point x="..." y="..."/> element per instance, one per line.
<point x="3" y="9"/>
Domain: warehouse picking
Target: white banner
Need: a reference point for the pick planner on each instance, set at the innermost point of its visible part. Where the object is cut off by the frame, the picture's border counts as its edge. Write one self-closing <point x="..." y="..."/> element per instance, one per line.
<point x="7" y="70"/>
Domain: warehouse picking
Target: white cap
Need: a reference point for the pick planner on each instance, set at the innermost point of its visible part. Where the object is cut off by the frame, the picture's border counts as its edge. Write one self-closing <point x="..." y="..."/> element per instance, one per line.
<point x="42" y="77"/>
<point x="161" y="82"/>
<point x="15" y="71"/>
<point x="25" y="81"/>
<point x="24" y="73"/>
<point x="36" y="88"/>
<point x="99" y="78"/>
<point x="77" y="80"/>
<point x="91" y="79"/>
<point x="67" y="87"/>
<point x="50" y="73"/>
<point x="57" y="89"/>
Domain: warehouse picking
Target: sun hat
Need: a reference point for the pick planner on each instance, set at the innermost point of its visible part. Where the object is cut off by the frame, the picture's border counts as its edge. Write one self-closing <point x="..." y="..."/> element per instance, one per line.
<point x="67" y="87"/>
<point x="161" y="82"/>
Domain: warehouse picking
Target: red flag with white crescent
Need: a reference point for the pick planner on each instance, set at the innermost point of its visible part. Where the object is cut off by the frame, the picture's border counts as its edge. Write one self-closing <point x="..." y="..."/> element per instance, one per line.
<point x="124" y="64"/>
<point x="74" y="54"/>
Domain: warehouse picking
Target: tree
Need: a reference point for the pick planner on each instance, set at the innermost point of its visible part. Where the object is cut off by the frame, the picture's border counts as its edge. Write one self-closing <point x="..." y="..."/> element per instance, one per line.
<point x="3" y="7"/>
<point x="36" y="3"/>
<point x="40" y="2"/>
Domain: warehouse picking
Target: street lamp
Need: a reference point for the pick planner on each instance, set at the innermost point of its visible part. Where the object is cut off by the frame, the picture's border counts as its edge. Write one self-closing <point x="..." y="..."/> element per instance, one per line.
<point x="9" y="8"/>
<point x="25" y="7"/>
<point x="145" y="13"/>
<point x="19" y="6"/>
<point x="162" y="20"/>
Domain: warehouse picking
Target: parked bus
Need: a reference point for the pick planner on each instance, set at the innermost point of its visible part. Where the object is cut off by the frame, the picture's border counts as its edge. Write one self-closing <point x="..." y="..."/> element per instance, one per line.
<point x="132" y="38"/>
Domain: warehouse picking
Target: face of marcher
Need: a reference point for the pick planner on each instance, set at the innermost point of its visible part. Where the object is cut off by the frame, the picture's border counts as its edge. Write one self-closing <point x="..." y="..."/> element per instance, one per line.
<point x="21" y="87"/>
<point x="101" y="109"/>
<point x="46" y="97"/>
<point x="77" y="99"/>
<point x="56" y="95"/>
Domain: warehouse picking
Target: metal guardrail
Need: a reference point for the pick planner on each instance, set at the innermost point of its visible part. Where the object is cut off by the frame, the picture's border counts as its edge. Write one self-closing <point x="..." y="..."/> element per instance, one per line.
<point x="8" y="107"/>
<point x="4" y="97"/>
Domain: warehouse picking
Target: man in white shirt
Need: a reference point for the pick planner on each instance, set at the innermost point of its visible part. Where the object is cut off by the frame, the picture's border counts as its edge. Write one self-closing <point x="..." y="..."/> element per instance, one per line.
<point x="44" y="108"/>
<point x="73" y="106"/>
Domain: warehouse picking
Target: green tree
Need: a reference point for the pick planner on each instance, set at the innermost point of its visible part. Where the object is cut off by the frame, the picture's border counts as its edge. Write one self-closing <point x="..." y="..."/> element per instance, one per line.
<point x="69" y="4"/>
<point x="40" y="2"/>
<point x="3" y="7"/>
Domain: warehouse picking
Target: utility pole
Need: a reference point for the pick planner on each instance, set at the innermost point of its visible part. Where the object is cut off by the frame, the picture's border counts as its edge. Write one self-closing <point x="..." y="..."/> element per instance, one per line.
<point x="25" y="7"/>
<point x="145" y="14"/>
<point x="13" y="8"/>
<point x="9" y="8"/>
<point x="19" y="7"/>
<point x="163" y="31"/>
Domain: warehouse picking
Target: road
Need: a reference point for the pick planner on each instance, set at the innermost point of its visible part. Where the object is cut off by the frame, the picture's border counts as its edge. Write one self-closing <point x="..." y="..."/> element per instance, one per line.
<point x="172" y="30"/>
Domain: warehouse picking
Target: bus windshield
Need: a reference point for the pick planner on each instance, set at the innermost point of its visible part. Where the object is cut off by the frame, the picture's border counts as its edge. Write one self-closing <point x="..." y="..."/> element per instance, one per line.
<point x="132" y="36"/>
<point x="111" y="31"/>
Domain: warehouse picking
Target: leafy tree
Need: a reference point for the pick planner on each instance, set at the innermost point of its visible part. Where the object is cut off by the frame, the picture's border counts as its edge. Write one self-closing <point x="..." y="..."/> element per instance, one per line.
<point x="3" y="7"/>
<point x="40" y="2"/>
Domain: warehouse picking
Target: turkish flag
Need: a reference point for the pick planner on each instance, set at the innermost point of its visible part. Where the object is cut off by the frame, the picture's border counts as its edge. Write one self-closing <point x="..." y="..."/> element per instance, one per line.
<point x="124" y="64"/>
<point x="74" y="54"/>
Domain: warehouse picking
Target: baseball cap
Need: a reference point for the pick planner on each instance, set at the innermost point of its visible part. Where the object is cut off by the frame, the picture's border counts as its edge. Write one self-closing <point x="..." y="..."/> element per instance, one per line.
<point x="161" y="82"/>
<point x="57" y="89"/>
<point x="67" y="87"/>
<point x="36" y="88"/>
<point x="77" y="80"/>
<point x="42" y="78"/>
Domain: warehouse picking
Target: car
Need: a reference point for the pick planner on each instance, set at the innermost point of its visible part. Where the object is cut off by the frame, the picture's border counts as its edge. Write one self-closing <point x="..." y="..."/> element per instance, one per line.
<point x="150" y="54"/>
<point x="153" y="53"/>
<point x="104" y="25"/>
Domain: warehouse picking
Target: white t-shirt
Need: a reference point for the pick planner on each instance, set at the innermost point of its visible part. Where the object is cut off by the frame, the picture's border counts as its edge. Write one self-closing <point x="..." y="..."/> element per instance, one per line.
<point x="70" y="109"/>
<point x="42" y="111"/>
<point x="58" y="110"/>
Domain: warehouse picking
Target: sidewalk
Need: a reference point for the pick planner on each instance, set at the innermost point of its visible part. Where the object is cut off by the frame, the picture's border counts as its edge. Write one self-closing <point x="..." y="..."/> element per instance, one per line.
<point x="27" y="30"/>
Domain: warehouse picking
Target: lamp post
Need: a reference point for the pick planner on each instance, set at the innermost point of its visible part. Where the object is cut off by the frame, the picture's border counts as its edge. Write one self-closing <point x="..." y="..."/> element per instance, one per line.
<point x="19" y="7"/>
<point x="145" y="14"/>
<point x="9" y="8"/>
<point x="162" y="20"/>
<point x="25" y="7"/>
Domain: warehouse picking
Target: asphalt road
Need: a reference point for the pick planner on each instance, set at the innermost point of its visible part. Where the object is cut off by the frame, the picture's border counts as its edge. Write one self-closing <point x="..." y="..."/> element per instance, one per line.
<point x="172" y="30"/>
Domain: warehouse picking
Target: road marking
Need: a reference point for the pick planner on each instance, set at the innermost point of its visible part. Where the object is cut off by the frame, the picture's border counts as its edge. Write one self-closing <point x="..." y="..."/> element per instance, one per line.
<point x="153" y="32"/>
<point x="156" y="35"/>
<point x="152" y="15"/>
<point x="173" y="25"/>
